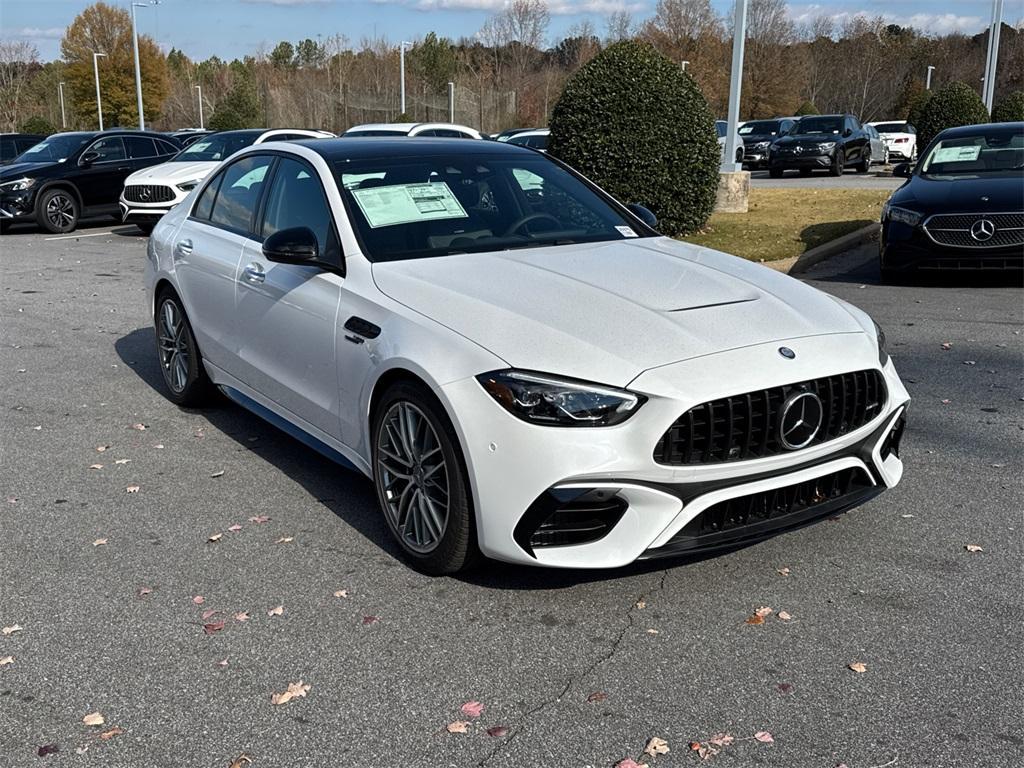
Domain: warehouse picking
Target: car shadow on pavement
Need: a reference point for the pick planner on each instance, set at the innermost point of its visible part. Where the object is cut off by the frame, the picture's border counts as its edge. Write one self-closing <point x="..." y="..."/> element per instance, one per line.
<point x="865" y="272"/>
<point x="351" y="496"/>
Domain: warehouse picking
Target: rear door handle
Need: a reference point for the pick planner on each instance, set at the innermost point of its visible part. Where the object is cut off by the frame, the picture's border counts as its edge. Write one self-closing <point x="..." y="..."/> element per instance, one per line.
<point x="253" y="273"/>
<point x="184" y="247"/>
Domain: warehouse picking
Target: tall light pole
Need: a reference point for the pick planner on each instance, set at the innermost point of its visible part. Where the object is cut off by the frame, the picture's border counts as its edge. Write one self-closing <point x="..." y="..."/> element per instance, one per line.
<point x="63" y="116"/>
<point x="96" y="71"/>
<point x="928" y="78"/>
<point x="401" y="76"/>
<point x="138" y="71"/>
<point x="200" y="89"/>
<point x="683" y="64"/>
<point x="739" y="35"/>
<point x="988" y="90"/>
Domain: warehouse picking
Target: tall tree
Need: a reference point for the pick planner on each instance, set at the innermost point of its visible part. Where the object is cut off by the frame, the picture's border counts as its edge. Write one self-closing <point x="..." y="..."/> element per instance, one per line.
<point x="434" y="62"/>
<point x="17" y="61"/>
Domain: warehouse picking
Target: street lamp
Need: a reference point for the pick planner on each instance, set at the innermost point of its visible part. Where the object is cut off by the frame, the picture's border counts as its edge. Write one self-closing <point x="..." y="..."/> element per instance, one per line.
<point x="401" y="76"/>
<point x="683" y="64"/>
<point x="138" y="71"/>
<point x="729" y="163"/>
<point x="988" y="90"/>
<point x="96" y="71"/>
<point x="200" y="89"/>
<point x="63" y="117"/>
<point x="928" y="78"/>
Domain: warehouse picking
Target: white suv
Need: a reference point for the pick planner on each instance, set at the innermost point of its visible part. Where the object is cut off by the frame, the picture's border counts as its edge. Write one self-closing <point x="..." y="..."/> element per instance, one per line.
<point x="150" y="193"/>
<point x="435" y="130"/>
<point x="899" y="136"/>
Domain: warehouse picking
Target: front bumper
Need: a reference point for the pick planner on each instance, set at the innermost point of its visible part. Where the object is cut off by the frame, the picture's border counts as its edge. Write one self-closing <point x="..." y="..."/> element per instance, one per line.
<point x="134" y="211"/>
<point x="514" y="465"/>
<point x="755" y="158"/>
<point x="795" y="162"/>
<point x="16" y="206"/>
<point x="902" y="248"/>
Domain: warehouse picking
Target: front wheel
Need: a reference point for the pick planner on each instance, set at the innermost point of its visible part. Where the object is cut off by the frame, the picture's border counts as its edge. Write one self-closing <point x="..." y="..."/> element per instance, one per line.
<point x="421" y="481"/>
<point x="837" y="165"/>
<point x="57" y="211"/>
<point x="180" y="362"/>
<point x="865" y="163"/>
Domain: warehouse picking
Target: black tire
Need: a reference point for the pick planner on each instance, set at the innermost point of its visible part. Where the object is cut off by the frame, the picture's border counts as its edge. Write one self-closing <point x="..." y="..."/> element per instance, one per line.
<point x="739" y="155"/>
<point x="145" y="227"/>
<point x="837" y="165"/>
<point x="57" y="211"/>
<point x="775" y="173"/>
<point x="805" y="171"/>
<point x="178" y="354"/>
<point x="865" y="163"/>
<point x="456" y="548"/>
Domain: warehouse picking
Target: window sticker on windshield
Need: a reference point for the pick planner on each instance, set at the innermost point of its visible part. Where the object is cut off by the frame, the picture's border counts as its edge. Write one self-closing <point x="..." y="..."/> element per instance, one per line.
<point x="36" y="148"/>
<point x="200" y="146"/>
<point x="408" y="203"/>
<point x="956" y="154"/>
<point x="626" y="231"/>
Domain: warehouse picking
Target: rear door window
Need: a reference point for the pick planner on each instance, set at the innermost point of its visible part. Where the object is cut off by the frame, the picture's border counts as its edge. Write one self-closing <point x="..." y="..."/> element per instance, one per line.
<point x="139" y="147"/>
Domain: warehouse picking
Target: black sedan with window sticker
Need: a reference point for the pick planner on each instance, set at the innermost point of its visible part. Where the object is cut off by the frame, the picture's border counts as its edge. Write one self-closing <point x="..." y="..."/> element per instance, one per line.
<point x="962" y="206"/>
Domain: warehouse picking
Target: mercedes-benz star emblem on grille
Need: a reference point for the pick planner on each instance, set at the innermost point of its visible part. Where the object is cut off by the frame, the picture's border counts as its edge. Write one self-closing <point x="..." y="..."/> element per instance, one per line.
<point x="787" y="353"/>
<point x="982" y="230"/>
<point x="144" y="193"/>
<point x="799" y="420"/>
<point x="798" y="149"/>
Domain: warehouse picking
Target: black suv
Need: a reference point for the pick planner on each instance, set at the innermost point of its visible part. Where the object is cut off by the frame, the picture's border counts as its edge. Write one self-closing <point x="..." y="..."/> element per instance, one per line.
<point x="70" y="175"/>
<point x="13" y="144"/>
<point x="758" y="135"/>
<point x="826" y="142"/>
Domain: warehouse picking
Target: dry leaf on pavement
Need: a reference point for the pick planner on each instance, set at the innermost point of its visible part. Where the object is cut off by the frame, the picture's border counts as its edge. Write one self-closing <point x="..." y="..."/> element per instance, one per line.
<point x="102" y="448"/>
<point x="656" y="747"/>
<point x="472" y="708"/>
<point x="973" y="548"/>
<point x="597" y="696"/>
<point x="122" y="461"/>
<point x="95" y="466"/>
<point x="295" y="690"/>
<point x="242" y="616"/>
<point x="784" y="615"/>
<point x="99" y="542"/>
<point x="858" y="667"/>
<point x="218" y="473"/>
<point x="783" y="571"/>
<point x="6" y="660"/>
<point x="259" y="519"/>
<point x="198" y="600"/>
<point x="764" y="737"/>
<point x="143" y="591"/>
<point x="276" y="611"/>
<point x="208" y="613"/>
<point x="12" y="629"/>
<point x="214" y="537"/>
<point x="93" y="718"/>
<point x="235" y="528"/>
<point x="139" y="427"/>
<point x="459" y="726"/>
<point x="241" y="761"/>
<point x="107" y="735"/>
<point x="497" y="731"/>
<point x="341" y="593"/>
<point x="652" y="631"/>
<point x="629" y="762"/>
<point x="763" y="611"/>
<point x="641" y="604"/>
<point x="722" y="739"/>
<point x="132" y="489"/>
<point x="214" y="626"/>
<point x="284" y="540"/>
<point x="367" y="620"/>
<point x="47" y="749"/>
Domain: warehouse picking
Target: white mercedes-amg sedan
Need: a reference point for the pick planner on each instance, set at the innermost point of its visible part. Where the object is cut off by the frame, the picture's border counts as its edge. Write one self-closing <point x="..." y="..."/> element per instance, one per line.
<point x="521" y="364"/>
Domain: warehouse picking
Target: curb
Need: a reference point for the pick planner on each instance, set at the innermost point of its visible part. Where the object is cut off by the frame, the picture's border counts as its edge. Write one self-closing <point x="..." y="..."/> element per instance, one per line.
<point x="797" y="264"/>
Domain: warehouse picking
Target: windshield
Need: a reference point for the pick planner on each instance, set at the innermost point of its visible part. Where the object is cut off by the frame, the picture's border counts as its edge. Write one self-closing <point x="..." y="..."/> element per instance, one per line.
<point x="891" y="128"/>
<point x="760" y="127"/>
<point x="436" y="206"/>
<point x="991" y="150"/>
<point x="819" y="125"/>
<point x="216" y="147"/>
<point x="55" y="149"/>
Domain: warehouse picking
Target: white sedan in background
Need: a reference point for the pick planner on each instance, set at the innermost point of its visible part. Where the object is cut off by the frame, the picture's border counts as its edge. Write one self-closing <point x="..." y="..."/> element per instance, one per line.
<point x="521" y="364"/>
<point x="722" y="127"/>
<point x="537" y="139"/>
<point x="900" y="138"/>
<point x="150" y="193"/>
<point x="412" y="130"/>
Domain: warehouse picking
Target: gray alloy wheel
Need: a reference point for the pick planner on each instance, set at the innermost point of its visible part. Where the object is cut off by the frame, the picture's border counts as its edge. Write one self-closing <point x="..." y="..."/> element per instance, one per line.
<point x="413" y="477"/>
<point x="57" y="211"/>
<point x="180" y="361"/>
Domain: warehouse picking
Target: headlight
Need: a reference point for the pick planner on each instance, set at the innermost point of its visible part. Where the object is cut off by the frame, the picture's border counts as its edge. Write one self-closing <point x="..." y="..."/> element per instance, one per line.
<point x="188" y="186"/>
<point x="761" y="145"/>
<point x="883" y="352"/>
<point x="827" y="146"/>
<point x="17" y="186"/>
<point x="902" y="215"/>
<point x="548" y="401"/>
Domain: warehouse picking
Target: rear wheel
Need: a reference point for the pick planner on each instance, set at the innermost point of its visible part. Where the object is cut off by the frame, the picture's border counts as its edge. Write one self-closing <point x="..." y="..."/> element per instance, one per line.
<point x="57" y="211"/>
<point x="180" y="361"/>
<point x="421" y="481"/>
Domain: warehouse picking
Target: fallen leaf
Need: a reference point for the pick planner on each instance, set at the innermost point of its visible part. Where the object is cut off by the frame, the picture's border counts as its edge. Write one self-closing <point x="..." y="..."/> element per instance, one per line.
<point x="722" y="739"/>
<point x="946" y="402"/>
<point x="242" y="616"/>
<point x="970" y="362"/>
<point x="240" y="761"/>
<point x="784" y="616"/>
<point x="629" y="762"/>
<point x="99" y="542"/>
<point x="12" y="629"/>
<point x="459" y="726"/>
<point x="695" y="745"/>
<point x="641" y="605"/>
<point x="497" y="731"/>
<point x="93" y="718"/>
<point x="652" y="632"/>
<point x="214" y="537"/>
<point x="755" y="619"/>
<point x="706" y="752"/>
<point x="858" y="667"/>
<point x="259" y="519"/>
<point x="946" y="345"/>
<point x="132" y="489"/>
<point x="95" y="466"/>
<point x="159" y="445"/>
<point x="597" y="696"/>
<point x="122" y="461"/>
<point x="143" y="591"/>
<point x="763" y="611"/>
<point x="47" y="749"/>
<point x="198" y="599"/>
<point x="764" y="737"/>
<point x="208" y="613"/>
<point x="784" y="687"/>
<point x="102" y="448"/>
<point x="973" y="548"/>
<point x="235" y="528"/>
<point x="783" y="571"/>
<point x="295" y="690"/>
<point x="6" y="660"/>
<point x="107" y="735"/>
<point x="215" y="626"/>
<point x="341" y="593"/>
<point x="276" y="611"/>
<point x="222" y="663"/>
<point x="656" y="747"/>
<point x="472" y="708"/>
<point x="367" y="620"/>
<point x="141" y="427"/>
<point x="284" y="540"/>
<point x="218" y="473"/>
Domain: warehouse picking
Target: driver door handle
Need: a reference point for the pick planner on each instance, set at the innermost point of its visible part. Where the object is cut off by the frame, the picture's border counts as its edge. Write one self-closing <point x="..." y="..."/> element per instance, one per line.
<point x="184" y="247"/>
<point x="253" y="273"/>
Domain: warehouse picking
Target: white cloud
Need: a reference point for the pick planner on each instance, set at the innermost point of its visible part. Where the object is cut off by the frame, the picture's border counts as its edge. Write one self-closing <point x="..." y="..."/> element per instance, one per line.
<point x="556" y="7"/>
<point x="37" y="33"/>
<point x="932" y="23"/>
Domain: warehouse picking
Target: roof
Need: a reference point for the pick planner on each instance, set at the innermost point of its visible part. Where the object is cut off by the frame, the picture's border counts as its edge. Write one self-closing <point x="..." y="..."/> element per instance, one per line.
<point x="404" y="147"/>
<point x="970" y="130"/>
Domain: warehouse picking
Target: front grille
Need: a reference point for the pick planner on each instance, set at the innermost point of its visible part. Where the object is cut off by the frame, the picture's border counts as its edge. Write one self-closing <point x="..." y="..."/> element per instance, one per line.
<point x="747" y="426"/>
<point x="954" y="229"/>
<point x="148" y="193"/>
<point x="778" y="503"/>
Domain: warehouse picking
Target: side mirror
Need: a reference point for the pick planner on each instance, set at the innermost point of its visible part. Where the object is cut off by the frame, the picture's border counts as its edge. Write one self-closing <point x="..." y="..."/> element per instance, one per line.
<point x="903" y="170"/>
<point x="848" y="132"/>
<point x="644" y="214"/>
<point x="297" y="245"/>
<point x="88" y="159"/>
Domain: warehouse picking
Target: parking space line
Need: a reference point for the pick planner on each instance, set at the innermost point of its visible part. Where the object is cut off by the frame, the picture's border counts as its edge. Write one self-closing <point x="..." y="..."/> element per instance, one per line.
<point x="73" y="237"/>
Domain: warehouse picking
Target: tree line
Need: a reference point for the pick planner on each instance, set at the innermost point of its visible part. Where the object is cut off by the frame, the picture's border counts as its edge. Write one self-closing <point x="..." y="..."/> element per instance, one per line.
<point x="509" y="74"/>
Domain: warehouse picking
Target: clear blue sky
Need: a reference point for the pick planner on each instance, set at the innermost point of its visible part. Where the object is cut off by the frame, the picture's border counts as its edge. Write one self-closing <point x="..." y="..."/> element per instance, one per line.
<point x="233" y="28"/>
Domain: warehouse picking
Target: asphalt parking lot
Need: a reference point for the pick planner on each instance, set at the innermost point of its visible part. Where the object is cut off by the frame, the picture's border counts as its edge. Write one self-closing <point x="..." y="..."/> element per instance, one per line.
<point x="849" y="180"/>
<point x="127" y="608"/>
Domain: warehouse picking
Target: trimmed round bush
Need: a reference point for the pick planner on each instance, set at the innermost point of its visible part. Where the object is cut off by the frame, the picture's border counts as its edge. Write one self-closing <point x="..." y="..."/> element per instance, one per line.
<point x="916" y="108"/>
<point x="1010" y="109"/>
<point x="38" y="124"/>
<point x="952" y="105"/>
<point x="636" y="125"/>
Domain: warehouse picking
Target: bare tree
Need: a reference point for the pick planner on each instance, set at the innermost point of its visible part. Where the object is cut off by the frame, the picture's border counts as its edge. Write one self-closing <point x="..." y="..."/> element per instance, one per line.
<point x="17" y="60"/>
<point x="770" y="88"/>
<point x="618" y="27"/>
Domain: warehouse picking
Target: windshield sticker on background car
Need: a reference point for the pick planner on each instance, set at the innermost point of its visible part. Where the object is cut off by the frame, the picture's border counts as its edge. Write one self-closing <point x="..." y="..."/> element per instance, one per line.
<point x="408" y="203"/>
<point x="199" y="147"/>
<point x="956" y="154"/>
<point x="626" y="231"/>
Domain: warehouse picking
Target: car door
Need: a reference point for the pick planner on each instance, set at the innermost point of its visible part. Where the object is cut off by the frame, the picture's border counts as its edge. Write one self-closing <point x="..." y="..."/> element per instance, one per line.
<point x="101" y="179"/>
<point x="207" y="251"/>
<point x="287" y="316"/>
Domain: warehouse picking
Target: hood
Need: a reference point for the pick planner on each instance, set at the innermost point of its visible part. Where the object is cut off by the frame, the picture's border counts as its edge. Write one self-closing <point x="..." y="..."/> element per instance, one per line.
<point x="805" y="139"/>
<point x="172" y="173"/>
<point x="754" y="138"/>
<point x="606" y="312"/>
<point x="963" y="194"/>
<point x="20" y="170"/>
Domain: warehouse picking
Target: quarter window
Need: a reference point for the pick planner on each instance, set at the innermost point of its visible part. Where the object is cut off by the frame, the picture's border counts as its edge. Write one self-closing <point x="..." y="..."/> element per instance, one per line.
<point x="296" y="199"/>
<point x="239" y="192"/>
<point x="109" y="149"/>
<point x="166" y="148"/>
<point x="139" y="147"/>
